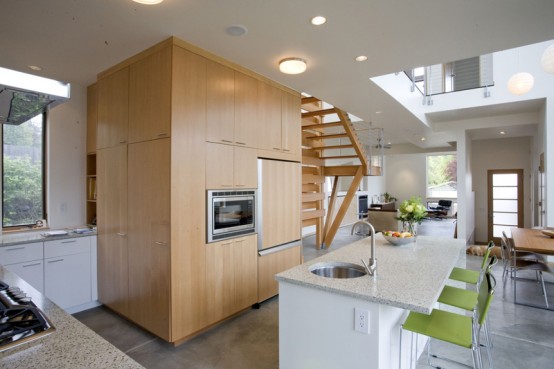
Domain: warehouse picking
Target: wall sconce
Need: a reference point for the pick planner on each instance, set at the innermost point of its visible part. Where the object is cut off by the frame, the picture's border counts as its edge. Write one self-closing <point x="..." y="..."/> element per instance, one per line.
<point x="292" y="65"/>
<point x="521" y="83"/>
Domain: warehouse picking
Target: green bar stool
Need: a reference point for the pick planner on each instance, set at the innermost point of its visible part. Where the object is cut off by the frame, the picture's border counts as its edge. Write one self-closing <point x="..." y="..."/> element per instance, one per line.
<point x="460" y="330"/>
<point x="471" y="276"/>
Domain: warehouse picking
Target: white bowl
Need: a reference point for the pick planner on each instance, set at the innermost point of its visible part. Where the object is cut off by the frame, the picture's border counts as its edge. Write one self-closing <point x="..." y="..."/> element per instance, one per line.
<point x="399" y="241"/>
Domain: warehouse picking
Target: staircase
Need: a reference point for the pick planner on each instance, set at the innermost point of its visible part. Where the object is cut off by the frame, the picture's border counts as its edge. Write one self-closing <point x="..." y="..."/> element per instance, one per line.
<point x="329" y="149"/>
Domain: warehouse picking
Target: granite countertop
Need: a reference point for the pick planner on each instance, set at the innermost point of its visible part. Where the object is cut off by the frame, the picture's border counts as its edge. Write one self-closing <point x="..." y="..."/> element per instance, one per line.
<point x="16" y="238"/>
<point x="71" y="346"/>
<point x="409" y="277"/>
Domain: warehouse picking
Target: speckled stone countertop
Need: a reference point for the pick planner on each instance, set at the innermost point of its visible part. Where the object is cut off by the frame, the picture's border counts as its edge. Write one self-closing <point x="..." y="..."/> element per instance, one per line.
<point x="71" y="346"/>
<point x="16" y="238"/>
<point x="409" y="277"/>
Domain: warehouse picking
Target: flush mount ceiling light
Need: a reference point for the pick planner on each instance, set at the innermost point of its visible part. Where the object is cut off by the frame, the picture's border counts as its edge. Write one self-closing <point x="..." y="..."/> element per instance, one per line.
<point x="35" y="67"/>
<point x="502" y="132"/>
<point x="547" y="59"/>
<point x="148" y="2"/>
<point x="318" y="20"/>
<point x="292" y="65"/>
<point x="360" y="58"/>
<point x="521" y="83"/>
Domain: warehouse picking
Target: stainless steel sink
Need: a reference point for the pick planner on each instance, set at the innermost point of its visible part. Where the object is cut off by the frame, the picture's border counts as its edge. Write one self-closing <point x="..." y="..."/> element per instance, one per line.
<point x="338" y="270"/>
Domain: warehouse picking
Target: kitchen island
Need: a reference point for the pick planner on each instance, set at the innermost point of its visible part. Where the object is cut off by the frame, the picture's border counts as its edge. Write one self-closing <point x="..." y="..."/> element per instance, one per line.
<point x="316" y="314"/>
<point x="71" y="345"/>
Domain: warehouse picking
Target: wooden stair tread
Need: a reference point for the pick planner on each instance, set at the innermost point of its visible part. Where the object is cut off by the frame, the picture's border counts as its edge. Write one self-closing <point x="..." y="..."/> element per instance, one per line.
<point x="330" y="147"/>
<point x="311" y="214"/>
<point x="309" y="100"/>
<point x="340" y="157"/>
<point x="322" y="137"/>
<point x="316" y="113"/>
<point x="322" y="125"/>
<point x="312" y="196"/>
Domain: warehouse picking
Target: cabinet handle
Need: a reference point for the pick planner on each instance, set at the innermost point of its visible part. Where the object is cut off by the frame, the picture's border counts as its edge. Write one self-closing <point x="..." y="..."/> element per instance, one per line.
<point x="16" y="248"/>
<point x="69" y="241"/>
<point x="31" y="265"/>
<point x="122" y="142"/>
<point x="55" y="261"/>
<point x="160" y="243"/>
<point x="287" y="150"/>
<point x="227" y="141"/>
<point x="226" y="185"/>
<point x="276" y="148"/>
<point x="121" y="234"/>
<point x="240" y="185"/>
<point x="240" y="143"/>
<point x="161" y="134"/>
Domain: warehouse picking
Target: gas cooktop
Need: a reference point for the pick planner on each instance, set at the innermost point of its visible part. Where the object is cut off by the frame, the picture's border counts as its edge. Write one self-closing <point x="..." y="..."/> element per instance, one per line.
<point x="20" y="320"/>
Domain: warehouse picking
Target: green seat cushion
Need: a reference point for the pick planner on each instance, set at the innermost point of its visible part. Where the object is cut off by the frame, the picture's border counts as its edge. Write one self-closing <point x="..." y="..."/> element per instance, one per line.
<point x="442" y="325"/>
<point x="465" y="275"/>
<point x="458" y="297"/>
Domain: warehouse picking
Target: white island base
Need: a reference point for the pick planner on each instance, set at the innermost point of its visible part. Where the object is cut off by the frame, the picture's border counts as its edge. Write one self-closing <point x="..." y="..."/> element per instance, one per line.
<point x="317" y="314"/>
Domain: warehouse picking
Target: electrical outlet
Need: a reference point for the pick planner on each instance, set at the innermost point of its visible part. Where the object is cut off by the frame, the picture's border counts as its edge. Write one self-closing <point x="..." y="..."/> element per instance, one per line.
<point x="361" y="320"/>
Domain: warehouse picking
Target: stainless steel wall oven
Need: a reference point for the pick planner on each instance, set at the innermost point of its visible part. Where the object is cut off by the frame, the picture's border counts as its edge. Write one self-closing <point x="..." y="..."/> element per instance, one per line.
<point x="230" y="214"/>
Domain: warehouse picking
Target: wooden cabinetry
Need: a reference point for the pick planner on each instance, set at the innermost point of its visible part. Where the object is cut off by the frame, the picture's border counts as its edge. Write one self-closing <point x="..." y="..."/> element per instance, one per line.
<point x="272" y="263"/>
<point x="150" y="97"/>
<point x="113" y="109"/>
<point x="290" y="123"/>
<point x="149" y="235"/>
<point x="232" y="280"/>
<point x="112" y="228"/>
<point x="92" y="117"/>
<point x="230" y="167"/>
<point x="232" y="106"/>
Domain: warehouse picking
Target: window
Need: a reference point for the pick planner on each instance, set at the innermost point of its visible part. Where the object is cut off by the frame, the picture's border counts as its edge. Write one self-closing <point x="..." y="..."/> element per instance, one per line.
<point x="442" y="176"/>
<point x="23" y="189"/>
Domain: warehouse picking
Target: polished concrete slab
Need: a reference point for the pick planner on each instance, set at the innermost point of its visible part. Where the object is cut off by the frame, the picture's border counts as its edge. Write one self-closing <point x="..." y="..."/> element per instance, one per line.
<point x="522" y="335"/>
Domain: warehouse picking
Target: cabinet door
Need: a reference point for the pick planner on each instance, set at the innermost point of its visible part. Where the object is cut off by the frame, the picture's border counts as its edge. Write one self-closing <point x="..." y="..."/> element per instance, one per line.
<point x="245" y="261"/>
<point x="245" y="167"/>
<point x="112" y="228"/>
<point x="271" y="264"/>
<point x="281" y="191"/>
<point x="269" y="112"/>
<point x="149" y="235"/>
<point x="150" y="97"/>
<point x="92" y="117"/>
<point x="113" y="109"/>
<point x="220" y="284"/>
<point x="219" y="166"/>
<point x="220" y="103"/>
<point x="31" y="272"/>
<point x="246" y="110"/>
<point x="291" y="120"/>
<point x="67" y="279"/>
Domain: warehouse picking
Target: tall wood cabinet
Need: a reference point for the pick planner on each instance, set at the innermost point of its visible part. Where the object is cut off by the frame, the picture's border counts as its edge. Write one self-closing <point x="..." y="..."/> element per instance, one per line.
<point x="155" y="113"/>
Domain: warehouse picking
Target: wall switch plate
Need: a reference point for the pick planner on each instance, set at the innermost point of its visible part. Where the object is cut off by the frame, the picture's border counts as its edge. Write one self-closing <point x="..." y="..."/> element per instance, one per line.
<point x="361" y="320"/>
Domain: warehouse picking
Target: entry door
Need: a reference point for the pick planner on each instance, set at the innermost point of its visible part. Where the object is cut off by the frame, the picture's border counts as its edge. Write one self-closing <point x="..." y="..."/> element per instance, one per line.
<point x="505" y="202"/>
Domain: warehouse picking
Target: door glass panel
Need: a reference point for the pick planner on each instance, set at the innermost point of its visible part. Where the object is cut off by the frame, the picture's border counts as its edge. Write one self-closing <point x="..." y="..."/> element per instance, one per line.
<point x="504" y="179"/>
<point x="504" y="192"/>
<point x="504" y="205"/>
<point x="497" y="231"/>
<point x="505" y="219"/>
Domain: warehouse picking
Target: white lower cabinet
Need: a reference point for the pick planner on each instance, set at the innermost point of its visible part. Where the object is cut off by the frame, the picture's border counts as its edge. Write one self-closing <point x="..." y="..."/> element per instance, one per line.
<point x="25" y="260"/>
<point x="67" y="280"/>
<point x="31" y="272"/>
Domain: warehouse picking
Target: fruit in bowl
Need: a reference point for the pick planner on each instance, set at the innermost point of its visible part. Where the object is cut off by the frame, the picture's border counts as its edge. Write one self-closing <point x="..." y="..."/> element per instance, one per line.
<point x="398" y="238"/>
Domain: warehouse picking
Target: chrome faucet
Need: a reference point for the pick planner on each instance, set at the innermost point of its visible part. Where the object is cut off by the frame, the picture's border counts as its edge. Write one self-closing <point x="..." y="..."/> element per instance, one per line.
<point x="372" y="268"/>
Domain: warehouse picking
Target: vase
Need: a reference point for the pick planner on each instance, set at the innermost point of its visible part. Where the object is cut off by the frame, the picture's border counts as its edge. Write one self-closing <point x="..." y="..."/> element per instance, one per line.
<point x="410" y="227"/>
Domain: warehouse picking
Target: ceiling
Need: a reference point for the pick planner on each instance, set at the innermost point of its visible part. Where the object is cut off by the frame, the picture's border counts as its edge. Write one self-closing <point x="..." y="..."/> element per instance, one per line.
<point x="73" y="40"/>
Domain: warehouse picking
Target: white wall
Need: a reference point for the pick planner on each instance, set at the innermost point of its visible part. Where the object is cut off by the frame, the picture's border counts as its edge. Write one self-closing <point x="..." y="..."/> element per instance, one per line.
<point x="405" y="176"/>
<point x="66" y="158"/>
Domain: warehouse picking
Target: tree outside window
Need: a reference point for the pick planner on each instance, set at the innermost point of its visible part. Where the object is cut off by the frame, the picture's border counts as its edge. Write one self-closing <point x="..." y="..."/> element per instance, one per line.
<point x="442" y="177"/>
<point x="22" y="180"/>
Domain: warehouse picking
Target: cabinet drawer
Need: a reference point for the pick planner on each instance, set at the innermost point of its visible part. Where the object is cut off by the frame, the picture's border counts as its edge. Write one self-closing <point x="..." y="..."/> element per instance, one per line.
<point x="32" y="272"/>
<point x="68" y="246"/>
<point x="21" y="253"/>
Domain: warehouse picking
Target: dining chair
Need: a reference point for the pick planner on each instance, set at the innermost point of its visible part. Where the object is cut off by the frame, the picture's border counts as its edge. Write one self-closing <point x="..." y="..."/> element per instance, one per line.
<point x="471" y="276"/>
<point x="460" y="330"/>
<point x="525" y="262"/>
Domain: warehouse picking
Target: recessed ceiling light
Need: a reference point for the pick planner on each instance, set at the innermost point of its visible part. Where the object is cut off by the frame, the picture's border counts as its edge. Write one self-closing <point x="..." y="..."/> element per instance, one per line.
<point x="292" y="65"/>
<point x="35" y="67"/>
<point x="379" y="112"/>
<point x="389" y="143"/>
<point x="148" y="2"/>
<point x="318" y="20"/>
<point x="502" y="132"/>
<point x="360" y="58"/>
<point x="237" y="30"/>
<point x="423" y="138"/>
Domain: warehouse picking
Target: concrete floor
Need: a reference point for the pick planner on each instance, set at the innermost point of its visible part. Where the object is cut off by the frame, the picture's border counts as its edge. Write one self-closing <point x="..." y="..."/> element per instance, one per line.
<point x="522" y="336"/>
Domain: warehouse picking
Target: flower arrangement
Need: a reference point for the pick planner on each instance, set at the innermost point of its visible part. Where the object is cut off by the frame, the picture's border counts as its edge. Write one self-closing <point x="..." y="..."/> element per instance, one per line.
<point x="411" y="211"/>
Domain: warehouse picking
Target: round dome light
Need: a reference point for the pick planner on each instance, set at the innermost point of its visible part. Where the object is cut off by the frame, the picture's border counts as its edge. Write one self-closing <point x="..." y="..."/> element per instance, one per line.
<point x="521" y="83"/>
<point x="292" y="66"/>
<point x="547" y="59"/>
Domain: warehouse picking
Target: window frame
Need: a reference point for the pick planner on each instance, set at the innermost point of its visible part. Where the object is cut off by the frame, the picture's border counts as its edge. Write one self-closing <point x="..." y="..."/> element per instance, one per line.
<point x="43" y="184"/>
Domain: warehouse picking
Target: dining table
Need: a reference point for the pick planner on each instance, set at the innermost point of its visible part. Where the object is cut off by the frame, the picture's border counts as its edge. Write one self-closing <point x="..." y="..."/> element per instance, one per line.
<point x="538" y="241"/>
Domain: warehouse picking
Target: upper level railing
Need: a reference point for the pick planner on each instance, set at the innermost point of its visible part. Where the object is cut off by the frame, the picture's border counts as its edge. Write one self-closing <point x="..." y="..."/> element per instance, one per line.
<point x="476" y="72"/>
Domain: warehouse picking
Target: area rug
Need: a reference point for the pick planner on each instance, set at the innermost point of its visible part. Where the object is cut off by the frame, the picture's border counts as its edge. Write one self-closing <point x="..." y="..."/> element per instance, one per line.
<point x="480" y="251"/>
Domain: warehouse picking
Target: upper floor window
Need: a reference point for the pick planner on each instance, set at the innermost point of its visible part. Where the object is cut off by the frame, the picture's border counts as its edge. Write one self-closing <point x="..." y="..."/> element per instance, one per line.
<point x="442" y="178"/>
<point x="23" y="179"/>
